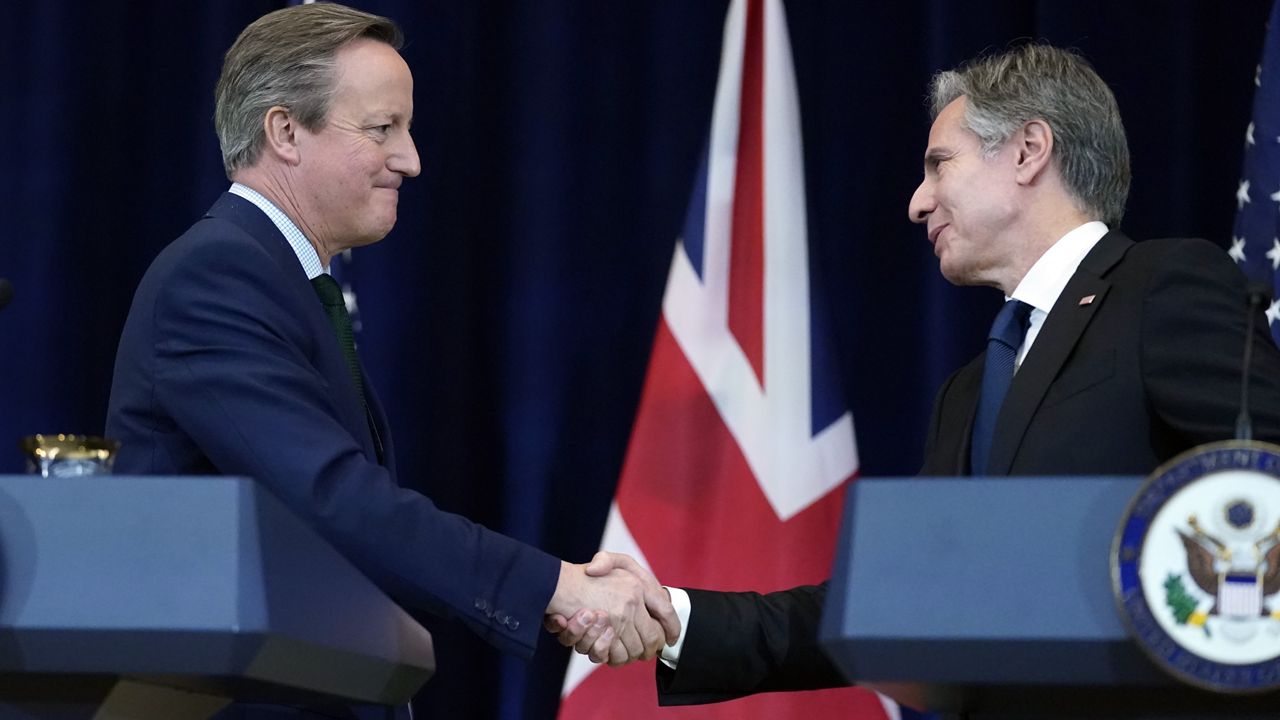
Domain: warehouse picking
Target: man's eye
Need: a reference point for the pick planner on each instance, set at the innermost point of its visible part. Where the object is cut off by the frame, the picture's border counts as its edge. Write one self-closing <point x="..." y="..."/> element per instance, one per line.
<point x="382" y="129"/>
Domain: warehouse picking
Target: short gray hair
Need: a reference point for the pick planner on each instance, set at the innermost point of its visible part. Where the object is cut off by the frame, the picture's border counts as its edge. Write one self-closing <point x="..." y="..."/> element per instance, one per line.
<point x="1041" y="82"/>
<point x="286" y="58"/>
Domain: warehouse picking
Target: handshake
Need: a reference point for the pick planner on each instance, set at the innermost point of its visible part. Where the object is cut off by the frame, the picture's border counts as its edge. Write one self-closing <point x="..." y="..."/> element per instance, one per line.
<point x="611" y="610"/>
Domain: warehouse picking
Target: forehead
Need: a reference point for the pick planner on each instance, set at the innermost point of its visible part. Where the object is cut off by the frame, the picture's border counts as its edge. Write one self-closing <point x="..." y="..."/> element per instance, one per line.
<point x="369" y="69"/>
<point x="948" y="128"/>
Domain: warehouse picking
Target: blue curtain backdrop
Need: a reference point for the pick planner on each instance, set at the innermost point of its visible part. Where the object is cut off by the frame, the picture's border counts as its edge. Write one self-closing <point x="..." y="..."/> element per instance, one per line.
<point x="508" y="317"/>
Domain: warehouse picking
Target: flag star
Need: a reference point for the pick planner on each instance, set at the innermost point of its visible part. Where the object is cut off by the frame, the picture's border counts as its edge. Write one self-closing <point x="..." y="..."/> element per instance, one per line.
<point x="1257" y="76"/>
<point x="1237" y="249"/>
<point x="1274" y="254"/>
<point x="1273" y="312"/>
<point x="1248" y="135"/>
<point x="1242" y="194"/>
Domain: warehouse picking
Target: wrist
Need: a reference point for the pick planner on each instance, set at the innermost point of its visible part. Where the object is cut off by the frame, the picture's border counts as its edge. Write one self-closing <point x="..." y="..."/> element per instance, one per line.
<point x="559" y="603"/>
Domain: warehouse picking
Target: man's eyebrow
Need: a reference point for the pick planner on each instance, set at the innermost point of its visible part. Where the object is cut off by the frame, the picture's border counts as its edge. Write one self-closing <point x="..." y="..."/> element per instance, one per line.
<point x="392" y="115"/>
<point x="934" y="154"/>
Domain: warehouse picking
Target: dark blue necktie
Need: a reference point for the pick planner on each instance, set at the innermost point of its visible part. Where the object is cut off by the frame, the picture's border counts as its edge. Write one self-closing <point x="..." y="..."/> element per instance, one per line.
<point x="997" y="373"/>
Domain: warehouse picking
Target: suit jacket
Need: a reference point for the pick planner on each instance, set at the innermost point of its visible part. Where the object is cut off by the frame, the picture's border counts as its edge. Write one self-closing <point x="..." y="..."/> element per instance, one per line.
<point x="228" y="365"/>
<point x="1138" y="360"/>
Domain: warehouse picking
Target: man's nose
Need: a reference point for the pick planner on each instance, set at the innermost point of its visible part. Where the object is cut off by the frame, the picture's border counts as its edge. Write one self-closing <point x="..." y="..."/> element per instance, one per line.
<point x="405" y="160"/>
<point x="922" y="203"/>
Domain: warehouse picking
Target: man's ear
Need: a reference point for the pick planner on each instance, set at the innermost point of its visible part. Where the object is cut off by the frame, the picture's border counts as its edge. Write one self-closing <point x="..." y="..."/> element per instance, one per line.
<point x="1035" y="150"/>
<point x="280" y="130"/>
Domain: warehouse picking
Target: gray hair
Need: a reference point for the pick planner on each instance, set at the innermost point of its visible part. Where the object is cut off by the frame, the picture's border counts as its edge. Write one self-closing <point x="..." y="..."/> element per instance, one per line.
<point x="1040" y="82"/>
<point x="286" y="58"/>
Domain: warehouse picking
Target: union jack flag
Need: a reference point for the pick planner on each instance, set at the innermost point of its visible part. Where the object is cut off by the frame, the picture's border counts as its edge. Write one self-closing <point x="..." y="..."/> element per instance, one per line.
<point x="1255" y="244"/>
<point x="742" y="444"/>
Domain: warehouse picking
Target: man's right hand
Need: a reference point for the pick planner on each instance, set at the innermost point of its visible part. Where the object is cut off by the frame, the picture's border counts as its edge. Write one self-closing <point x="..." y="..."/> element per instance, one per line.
<point x="612" y="610"/>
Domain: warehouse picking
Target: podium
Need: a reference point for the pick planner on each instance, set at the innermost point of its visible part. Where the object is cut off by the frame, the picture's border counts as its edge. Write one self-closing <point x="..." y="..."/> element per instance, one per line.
<point x="991" y="598"/>
<point x="169" y="597"/>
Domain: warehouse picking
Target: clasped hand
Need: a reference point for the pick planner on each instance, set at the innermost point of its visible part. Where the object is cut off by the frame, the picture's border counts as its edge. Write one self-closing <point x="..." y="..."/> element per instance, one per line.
<point x="611" y="610"/>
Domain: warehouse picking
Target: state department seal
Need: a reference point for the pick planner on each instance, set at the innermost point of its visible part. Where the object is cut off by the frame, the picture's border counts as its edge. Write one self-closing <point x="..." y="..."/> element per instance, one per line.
<point x="1196" y="566"/>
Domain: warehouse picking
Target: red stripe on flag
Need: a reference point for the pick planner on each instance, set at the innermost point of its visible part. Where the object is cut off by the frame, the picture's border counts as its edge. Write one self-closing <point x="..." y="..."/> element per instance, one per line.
<point x="746" y="252"/>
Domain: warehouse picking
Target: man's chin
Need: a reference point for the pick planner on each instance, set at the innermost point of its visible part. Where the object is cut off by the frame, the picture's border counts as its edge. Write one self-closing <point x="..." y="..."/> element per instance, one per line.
<point x="373" y="235"/>
<point x="954" y="273"/>
<point x="386" y="221"/>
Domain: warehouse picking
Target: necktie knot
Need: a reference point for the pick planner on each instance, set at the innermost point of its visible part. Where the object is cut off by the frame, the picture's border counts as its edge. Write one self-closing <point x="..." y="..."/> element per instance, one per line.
<point x="329" y="291"/>
<point x="1011" y="323"/>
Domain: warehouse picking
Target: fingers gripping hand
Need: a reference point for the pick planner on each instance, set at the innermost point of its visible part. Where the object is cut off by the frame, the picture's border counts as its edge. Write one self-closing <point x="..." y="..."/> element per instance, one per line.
<point x="555" y="623"/>
<point x="656" y="598"/>
<point x="620" y="595"/>
<point x="635" y="619"/>
<point x="580" y="631"/>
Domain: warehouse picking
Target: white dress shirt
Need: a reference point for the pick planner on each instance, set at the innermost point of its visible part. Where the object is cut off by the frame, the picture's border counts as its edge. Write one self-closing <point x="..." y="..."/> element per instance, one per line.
<point x="302" y="247"/>
<point x="1044" y="282"/>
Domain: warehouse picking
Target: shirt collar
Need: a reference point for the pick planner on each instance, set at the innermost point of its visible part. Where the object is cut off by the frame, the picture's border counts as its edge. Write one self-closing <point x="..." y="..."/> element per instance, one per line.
<point x="1045" y="280"/>
<point x="302" y="247"/>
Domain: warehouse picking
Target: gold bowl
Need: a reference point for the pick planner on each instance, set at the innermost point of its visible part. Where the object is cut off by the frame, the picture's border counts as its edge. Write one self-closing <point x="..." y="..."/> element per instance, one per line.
<point x="69" y="455"/>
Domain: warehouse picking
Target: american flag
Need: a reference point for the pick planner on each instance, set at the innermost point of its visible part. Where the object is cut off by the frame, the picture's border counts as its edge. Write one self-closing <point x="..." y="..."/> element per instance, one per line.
<point x="1255" y="244"/>
<point x="742" y="445"/>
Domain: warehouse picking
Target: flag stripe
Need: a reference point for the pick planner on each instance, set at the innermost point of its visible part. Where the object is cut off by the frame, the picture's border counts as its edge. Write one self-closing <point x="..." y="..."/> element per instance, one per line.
<point x="746" y="263"/>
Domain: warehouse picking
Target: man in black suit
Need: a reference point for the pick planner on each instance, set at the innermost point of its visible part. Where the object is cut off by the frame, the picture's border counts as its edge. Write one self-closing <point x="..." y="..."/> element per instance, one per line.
<point x="1124" y="354"/>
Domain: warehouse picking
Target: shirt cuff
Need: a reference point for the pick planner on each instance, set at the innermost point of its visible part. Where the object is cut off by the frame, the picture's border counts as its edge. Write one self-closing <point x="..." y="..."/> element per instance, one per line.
<point x="680" y="601"/>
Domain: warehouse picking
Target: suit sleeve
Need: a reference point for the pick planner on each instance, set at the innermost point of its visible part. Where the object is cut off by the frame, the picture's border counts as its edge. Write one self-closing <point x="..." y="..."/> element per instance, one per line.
<point x="945" y="453"/>
<point x="743" y="643"/>
<point x="233" y="370"/>
<point x="1192" y="347"/>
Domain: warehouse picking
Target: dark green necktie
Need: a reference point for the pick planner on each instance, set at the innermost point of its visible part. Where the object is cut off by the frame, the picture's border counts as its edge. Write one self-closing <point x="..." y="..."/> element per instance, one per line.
<point x="335" y="307"/>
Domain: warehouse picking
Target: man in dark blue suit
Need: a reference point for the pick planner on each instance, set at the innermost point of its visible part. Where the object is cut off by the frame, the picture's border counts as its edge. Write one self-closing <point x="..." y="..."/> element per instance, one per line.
<point x="237" y="359"/>
<point x="1128" y="352"/>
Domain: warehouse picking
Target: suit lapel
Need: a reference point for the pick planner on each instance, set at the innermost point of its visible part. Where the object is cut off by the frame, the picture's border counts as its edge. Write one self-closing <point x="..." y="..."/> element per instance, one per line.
<point x="381" y="426"/>
<point x="1062" y="329"/>
<point x="253" y="221"/>
<point x="968" y="387"/>
<point x="330" y="362"/>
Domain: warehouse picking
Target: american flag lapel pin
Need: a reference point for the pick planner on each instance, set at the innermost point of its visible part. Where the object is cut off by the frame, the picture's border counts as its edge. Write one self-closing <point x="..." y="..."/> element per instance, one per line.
<point x="1087" y="300"/>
